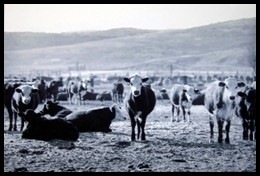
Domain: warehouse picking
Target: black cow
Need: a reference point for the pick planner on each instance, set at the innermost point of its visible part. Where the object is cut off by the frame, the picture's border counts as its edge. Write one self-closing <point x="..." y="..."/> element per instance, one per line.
<point x="117" y="92"/>
<point x="139" y="103"/>
<point x="95" y="120"/>
<point x="42" y="128"/>
<point x="53" y="89"/>
<point x="246" y="110"/>
<point x="42" y="91"/>
<point x="25" y="97"/>
<point x="54" y="109"/>
<point x="89" y="96"/>
<point x="104" y="96"/>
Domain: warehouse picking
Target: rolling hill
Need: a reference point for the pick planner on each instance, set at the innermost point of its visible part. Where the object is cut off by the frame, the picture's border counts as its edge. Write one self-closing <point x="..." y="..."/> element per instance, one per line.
<point x="220" y="46"/>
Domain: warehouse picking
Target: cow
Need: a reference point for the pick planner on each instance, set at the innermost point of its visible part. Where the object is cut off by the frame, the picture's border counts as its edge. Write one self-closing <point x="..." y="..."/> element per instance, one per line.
<point x="42" y="91"/>
<point x="89" y="96"/>
<point x="42" y="128"/>
<point x="62" y="96"/>
<point x="96" y="120"/>
<point x="9" y="89"/>
<point x="246" y="110"/>
<point x="117" y="92"/>
<point x="24" y="97"/>
<point x="74" y="90"/>
<point x="54" y="109"/>
<point x="220" y="102"/>
<point x="162" y="94"/>
<point x="181" y="97"/>
<point x="139" y="103"/>
<point x="52" y="89"/>
<point x="104" y="96"/>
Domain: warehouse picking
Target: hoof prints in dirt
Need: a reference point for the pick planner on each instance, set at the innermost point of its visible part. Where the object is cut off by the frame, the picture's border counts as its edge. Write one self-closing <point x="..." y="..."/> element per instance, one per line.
<point x="139" y="167"/>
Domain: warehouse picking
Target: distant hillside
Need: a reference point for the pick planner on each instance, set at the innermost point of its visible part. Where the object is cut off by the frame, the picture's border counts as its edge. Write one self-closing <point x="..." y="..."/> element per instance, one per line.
<point x="220" y="46"/>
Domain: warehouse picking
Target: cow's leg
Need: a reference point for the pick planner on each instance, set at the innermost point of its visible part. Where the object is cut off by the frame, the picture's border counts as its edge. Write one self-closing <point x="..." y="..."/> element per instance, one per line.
<point x="188" y="112"/>
<point x="184" y="113"/>
<point x="138" y="127"/>
<point x="245" y="130"/>
<point x="133" y="123"/>
<point x="220" y="130"/>
<point x="22" y="124"/>
<point x="172" y="118"/>
<point x="227" y="131"/>
<point x="251" y="135"/>
<point x="15" y="120"/>
<point x="211" y="124"/>
<point x="178" y="114"/>
<point x="10" y="113"/>
<point x="142" y="128"/>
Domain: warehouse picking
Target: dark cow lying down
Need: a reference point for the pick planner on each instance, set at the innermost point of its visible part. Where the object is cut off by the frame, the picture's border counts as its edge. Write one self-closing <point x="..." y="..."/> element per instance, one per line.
<point x="95" y="120"/>
<point x="42" y="128"/>
<point x="54" y="109"/>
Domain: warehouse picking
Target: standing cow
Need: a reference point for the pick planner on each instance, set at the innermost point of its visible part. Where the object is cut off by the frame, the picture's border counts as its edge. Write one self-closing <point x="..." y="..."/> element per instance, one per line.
<point x="181" y="96"/>
<point x="74" y="90"/>
<point x="220" y="102"/>
<point x="117" y="92"/>
<point x="52" y="89"/>
<point x="139" y="103"/>
<point x="25" y="97"/>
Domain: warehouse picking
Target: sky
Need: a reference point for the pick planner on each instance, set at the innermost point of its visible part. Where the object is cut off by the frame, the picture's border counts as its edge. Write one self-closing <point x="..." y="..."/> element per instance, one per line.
<point x="59" y="18"/>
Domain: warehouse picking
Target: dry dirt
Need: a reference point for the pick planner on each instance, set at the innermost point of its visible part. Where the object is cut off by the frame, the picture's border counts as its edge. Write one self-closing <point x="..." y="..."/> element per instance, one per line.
<point x="170" y="147"/>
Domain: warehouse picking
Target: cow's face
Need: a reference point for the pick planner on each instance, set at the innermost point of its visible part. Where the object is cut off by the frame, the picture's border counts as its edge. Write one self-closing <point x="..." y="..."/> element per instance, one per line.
<point x="136" y="84"/>
<point x="249" y="98"/>
<point x="50" y="108"/>
<point x="231" y="87"/>
<point x="189" y="93"/>
<point x="26" y="92"/>
<point x="119" y="115"/>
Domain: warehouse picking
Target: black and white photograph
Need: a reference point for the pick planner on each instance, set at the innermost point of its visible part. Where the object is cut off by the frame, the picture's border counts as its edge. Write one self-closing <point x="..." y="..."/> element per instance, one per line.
<point x="129" y="87"/>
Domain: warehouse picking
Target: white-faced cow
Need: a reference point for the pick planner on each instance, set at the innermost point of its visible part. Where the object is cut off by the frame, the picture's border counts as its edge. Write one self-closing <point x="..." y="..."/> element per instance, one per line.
<point x="25" y="97"/>
<point x="96" y="120"/>
<point x="246" y="110"/>
<point x="54" y="109"/>
<point x="139" y="103"/>
<point x="181" y="96"/>
<point x="42" y="128"/>
<point x="220" y="102"/>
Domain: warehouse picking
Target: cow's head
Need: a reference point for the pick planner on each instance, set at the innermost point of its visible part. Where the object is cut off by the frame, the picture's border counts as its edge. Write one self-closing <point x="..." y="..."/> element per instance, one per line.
<point x="29" y="115"/>
<point x="231" y="87"/>
<point x="50" y="108"/>
<point x="26" y="92"/>
<point x="249" y="98"/>
<point x="189" y="93"/>
<point x="135" y="82"/>
<point x="119" y="115"/>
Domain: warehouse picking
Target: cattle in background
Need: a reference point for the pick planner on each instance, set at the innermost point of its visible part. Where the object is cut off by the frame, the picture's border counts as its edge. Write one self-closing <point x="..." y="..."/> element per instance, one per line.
<point x="139" y="103"/>
<point x="104" y="96"/>
<point x="220" y="103"/>
<point x="246" y="110"/>
<point x="9" y="89"/>
<point x="75" y="89"/>
<point x="54" y="109"/>
<point x="42" y="91"/>
<point x="181" y="97"/>
<point x="42" y="128"/>
<point x="62" y="96"/>
<point x="25" y="97"/>
<point x="53" y="89"/>
<point x="96" y="120"/>
<point x="117" y="92"/>
<point x="89" y="96"/>
<point x="162" y="94"/>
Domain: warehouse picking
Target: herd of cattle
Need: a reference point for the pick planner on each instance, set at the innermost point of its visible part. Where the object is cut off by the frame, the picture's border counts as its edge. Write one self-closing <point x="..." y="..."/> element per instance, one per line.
<point x="222" y="99"/>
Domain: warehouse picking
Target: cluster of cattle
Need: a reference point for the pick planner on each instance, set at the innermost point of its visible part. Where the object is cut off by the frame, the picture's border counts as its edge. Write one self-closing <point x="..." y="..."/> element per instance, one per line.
<point x="222" y="99"/>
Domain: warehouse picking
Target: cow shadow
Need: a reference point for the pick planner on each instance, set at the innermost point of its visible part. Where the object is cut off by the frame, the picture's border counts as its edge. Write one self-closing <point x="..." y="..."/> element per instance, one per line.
<point x="62" y="144"/>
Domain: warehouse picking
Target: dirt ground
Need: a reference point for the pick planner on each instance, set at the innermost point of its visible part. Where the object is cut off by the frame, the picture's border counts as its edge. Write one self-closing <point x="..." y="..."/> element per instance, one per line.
<point x="170" y="147"/>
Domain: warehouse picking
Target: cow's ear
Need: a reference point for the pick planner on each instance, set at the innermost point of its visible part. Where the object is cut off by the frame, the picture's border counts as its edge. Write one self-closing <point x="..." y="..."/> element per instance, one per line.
<point x="241" y="94"/>
<point x="127" y="80"/>
<point x="221" y="84"/>
<point x="145" y="79"/>
<point x="196" y="91"/>
<point x="34" y="90"/>
<point x="241" y="84"/>
<point x="18" y="90"/>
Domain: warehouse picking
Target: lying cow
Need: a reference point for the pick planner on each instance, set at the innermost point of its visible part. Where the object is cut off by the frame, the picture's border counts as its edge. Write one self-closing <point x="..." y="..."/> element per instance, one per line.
<point x="42" y="128"/>
<point x="181" y="96"/>
<point x="246" y="110"/>
<point x="220" y="102"/>
<point x="54" y="109"/>
<point x="25" y="97"/>
<point x="96" y="120"/>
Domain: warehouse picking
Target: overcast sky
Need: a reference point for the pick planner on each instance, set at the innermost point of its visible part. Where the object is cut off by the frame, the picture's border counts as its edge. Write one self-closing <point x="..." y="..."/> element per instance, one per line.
<point x="68" y="18"/>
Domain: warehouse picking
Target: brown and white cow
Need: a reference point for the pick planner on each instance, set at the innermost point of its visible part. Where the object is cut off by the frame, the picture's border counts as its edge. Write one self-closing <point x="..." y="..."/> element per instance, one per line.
<point x="181" y="96"/>
<point x="220" y="103"/>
